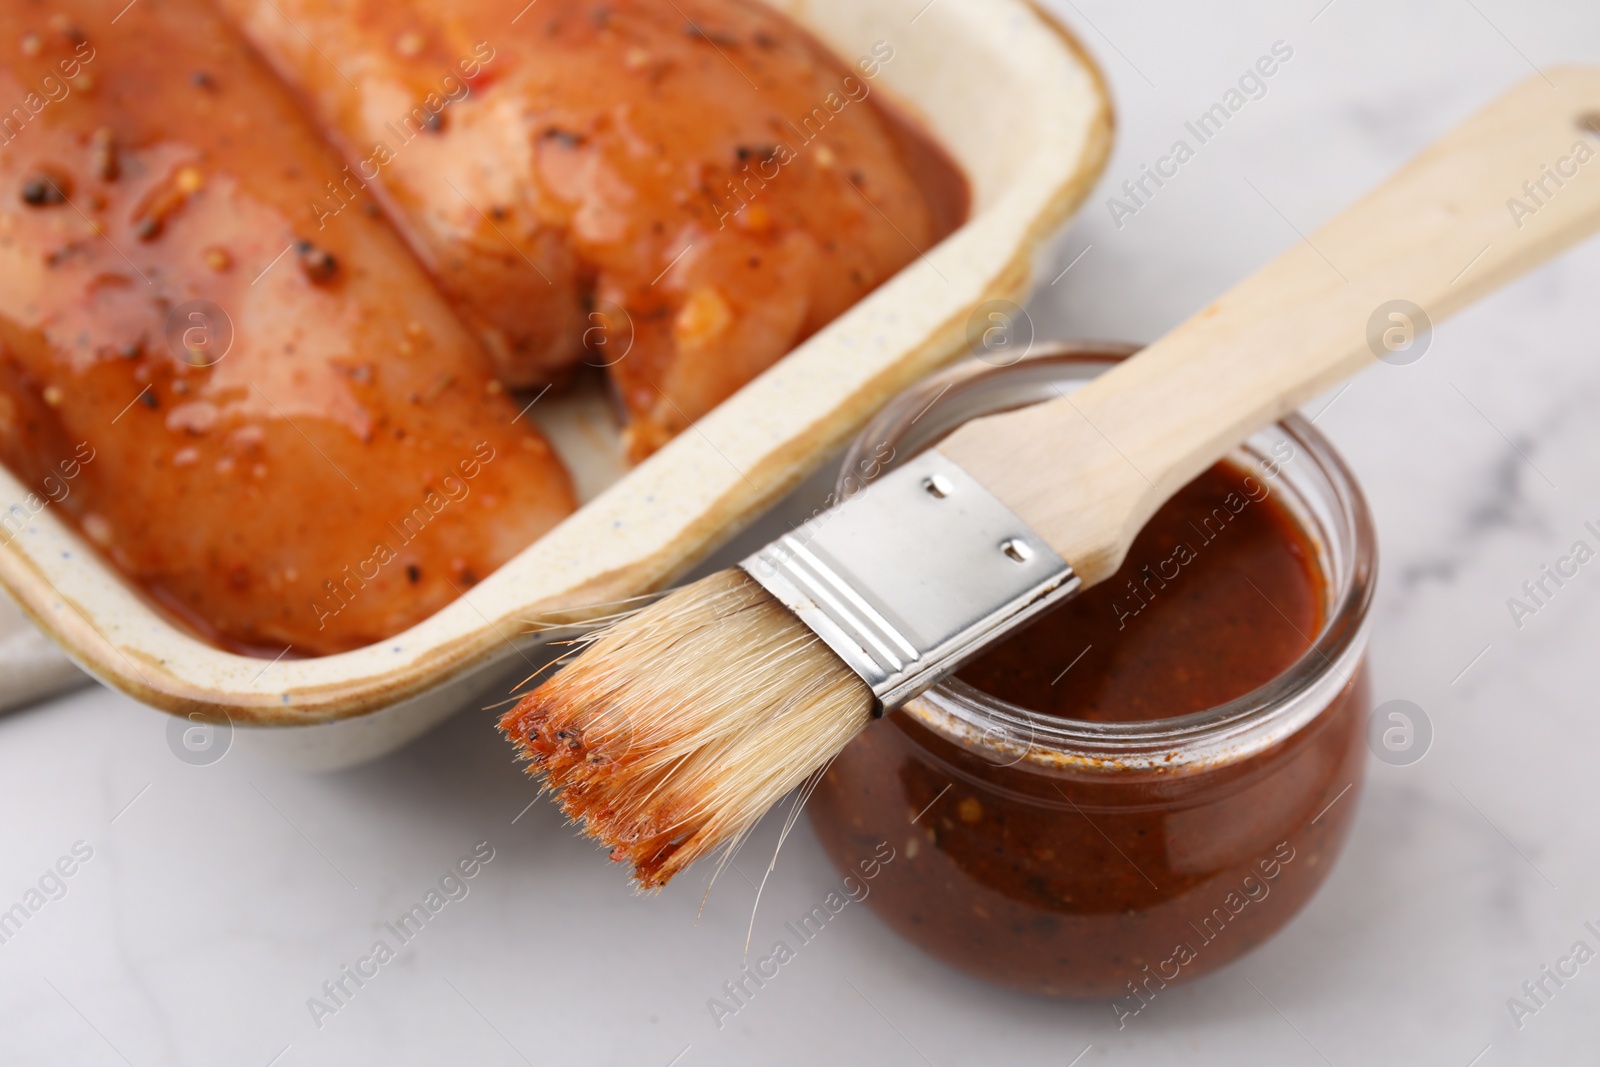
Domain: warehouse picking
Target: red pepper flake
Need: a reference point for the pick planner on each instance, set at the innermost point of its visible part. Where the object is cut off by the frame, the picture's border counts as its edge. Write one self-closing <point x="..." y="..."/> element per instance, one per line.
<point x="165" y="201"/>
<point x="103" y="159"/>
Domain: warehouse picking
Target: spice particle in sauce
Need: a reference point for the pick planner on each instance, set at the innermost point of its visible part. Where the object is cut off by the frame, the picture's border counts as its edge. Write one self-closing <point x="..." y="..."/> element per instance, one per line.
<point x="43" y="190"/>
<point x="318" y="263"/>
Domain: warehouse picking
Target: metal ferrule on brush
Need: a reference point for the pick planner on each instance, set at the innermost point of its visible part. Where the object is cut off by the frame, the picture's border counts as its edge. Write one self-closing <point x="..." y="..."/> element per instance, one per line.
<point x="909" y="578"/>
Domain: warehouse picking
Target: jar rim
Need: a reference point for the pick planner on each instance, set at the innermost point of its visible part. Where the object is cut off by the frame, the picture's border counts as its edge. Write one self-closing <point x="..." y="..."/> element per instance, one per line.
<point x="1005" y="733"/>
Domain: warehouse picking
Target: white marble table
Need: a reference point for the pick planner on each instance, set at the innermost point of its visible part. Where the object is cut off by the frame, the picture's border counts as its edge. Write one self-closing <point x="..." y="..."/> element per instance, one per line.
<point x="219" y="898"/>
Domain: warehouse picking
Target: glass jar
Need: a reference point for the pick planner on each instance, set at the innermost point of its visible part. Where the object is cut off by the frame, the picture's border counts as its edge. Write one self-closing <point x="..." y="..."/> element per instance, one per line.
<point x="1077" y="858"/>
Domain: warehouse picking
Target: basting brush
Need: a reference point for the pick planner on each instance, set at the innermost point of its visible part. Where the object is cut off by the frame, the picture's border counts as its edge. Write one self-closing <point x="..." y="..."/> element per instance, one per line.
<point x="675" y="728"/>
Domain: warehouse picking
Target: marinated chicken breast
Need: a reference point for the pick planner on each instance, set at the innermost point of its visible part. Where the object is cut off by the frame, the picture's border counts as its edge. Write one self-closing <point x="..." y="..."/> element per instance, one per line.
<point x="281" y="432"/>
<point x="681" y="189"/>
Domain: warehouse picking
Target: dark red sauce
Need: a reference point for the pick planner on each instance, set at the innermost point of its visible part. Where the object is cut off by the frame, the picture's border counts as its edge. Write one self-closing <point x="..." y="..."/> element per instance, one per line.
<point x="1219" y="594"/>
<point x="1118" y="881"/>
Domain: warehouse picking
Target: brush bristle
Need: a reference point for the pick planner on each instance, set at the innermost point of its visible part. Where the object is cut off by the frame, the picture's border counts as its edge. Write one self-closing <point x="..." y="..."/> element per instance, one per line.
<point x="679" y="726"/>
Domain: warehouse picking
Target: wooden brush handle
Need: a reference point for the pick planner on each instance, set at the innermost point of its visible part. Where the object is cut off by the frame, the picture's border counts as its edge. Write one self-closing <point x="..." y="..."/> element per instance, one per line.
<point x="1086" y="472"/>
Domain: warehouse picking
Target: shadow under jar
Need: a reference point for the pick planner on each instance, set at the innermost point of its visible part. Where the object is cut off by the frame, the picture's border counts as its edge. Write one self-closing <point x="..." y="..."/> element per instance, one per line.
<point x="1153" y="779"/>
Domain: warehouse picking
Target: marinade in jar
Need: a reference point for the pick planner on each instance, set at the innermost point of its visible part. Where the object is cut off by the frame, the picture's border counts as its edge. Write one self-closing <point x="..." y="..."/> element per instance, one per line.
<point x="1094" y="879"/>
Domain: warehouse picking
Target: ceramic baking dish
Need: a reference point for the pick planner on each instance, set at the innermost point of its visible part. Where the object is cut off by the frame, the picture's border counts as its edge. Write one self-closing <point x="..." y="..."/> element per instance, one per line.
<point x="1019" y="105"/>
